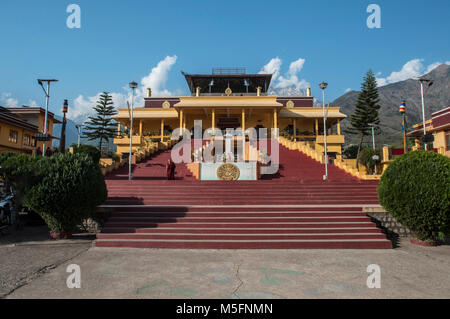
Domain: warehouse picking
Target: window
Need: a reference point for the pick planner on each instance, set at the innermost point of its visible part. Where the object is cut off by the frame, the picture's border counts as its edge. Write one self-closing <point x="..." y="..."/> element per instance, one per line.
<point x="13" y="136"/>
<point x="26" y="140"/>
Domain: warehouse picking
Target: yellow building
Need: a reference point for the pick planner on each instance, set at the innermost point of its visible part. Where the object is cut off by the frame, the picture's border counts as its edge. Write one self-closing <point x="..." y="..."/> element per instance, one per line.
<point x="230" y="99"/>
<point x="439" y="127"/>
<point x="19" y="126"/>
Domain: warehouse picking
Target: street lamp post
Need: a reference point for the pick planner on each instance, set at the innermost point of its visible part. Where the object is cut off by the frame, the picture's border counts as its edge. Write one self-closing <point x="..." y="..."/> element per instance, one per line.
<point x="79" y="127"/>
<point x="47" y="99"/>
<point x="374" y="157"/>
<point x="430" y="83"/>
<point x="323" y="86"/>
<point x="373" y="125"/>
<point x="133" y="86"/>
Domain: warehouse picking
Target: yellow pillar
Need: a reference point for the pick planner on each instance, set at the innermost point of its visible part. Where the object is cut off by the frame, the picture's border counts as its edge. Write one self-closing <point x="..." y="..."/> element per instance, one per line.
<point x="317" y="127"/>
<point x="162" y="130"/>
<point x="385" y="153"/>
<point x="184" y="121"/>
<point x="243" y="120"/>
<point x="118" y="128"/>
<point x="213" y="118"/>
<point x="181" y="119"/>
<point x="275" y="118"/>
<point x="140" y="127"/>
<point x="339" y="127"/>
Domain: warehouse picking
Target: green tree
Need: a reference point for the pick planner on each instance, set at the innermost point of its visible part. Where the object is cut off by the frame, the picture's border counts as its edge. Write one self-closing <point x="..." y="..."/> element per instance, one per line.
<point x="101" y="126"/>
<point x="366" y="110"/>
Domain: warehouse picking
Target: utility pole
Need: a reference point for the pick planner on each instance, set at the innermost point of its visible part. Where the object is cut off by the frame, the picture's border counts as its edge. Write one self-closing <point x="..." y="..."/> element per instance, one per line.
<point x="323" y="86"/>
<point x="133" y="86"/>
<point x="47" y="100"/>
<point x="430" y="83"/>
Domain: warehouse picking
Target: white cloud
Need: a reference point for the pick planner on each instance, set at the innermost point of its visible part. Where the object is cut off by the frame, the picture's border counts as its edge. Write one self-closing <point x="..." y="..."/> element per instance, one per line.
<point x="289" y="83"/>
<point x="347" y="90"/>
<point x="8" y="101"/>
<point x="156" y="80"/>
<point x="273" y="67"/>
<point x="411" y="69"/>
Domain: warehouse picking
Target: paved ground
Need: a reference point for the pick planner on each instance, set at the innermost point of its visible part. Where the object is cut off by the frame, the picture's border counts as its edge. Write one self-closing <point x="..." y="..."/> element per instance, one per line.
<point x="406" y="272"/>
<point x="29" y="253"/>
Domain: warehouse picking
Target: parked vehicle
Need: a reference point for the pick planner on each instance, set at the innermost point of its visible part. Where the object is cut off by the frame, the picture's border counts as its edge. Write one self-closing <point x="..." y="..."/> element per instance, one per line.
<point x="7" y="213"/>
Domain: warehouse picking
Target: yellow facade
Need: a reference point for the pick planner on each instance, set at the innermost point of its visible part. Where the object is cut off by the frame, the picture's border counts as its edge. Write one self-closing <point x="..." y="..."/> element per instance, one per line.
<point x="250" y="111"/>
<point x="439" y="127"/>
<point x="16" y="139"/>
<point x="18" y="128"/>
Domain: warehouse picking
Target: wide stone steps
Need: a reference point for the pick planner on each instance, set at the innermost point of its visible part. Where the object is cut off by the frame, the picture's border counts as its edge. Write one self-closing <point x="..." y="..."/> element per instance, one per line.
<point x="293" y="209"/>
<point x="235" y="227"/>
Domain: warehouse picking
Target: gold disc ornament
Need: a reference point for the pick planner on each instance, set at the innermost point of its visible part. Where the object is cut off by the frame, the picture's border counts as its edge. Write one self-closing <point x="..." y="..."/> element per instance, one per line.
<point x="290" y="104"/>
<point x="228" y="172"/>
<point x="228" y="91"/>
<point x="166" y="105"/>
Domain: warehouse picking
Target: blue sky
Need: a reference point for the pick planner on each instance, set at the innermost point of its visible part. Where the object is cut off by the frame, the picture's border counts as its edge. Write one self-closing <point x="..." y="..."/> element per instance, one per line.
<point x="120" y="41"/>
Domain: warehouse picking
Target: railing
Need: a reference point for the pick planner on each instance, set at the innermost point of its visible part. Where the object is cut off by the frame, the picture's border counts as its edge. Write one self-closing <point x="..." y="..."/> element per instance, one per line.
<point x="233" y="94"/>
<point x="331" y="139"/>
<point x="228" y="71"/>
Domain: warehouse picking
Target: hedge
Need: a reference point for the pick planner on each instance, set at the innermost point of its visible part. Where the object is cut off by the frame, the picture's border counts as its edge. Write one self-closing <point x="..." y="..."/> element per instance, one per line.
<point x="415" y="189"/>
<point x="63" y="189"/>
<point x="91" y="150"/>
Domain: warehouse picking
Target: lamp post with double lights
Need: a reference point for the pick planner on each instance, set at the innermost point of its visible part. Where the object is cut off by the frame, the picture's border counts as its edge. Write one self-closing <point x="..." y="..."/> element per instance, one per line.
<point x="79" y="127"/>
<point x="323" y="86"/>
<point x="47" y="100"/>
<point x="133" y="86"/>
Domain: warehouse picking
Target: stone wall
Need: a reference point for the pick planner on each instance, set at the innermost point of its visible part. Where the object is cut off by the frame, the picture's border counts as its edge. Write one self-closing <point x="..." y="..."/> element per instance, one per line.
<point x="385" y="220"/>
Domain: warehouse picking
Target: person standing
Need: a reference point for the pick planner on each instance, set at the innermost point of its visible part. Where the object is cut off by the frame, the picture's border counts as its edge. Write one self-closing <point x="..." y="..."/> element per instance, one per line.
<point x="170" y="169"/>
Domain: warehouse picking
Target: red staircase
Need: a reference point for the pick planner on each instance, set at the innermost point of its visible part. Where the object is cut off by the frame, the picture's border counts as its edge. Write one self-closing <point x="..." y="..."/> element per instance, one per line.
<point x="291" y="210"/>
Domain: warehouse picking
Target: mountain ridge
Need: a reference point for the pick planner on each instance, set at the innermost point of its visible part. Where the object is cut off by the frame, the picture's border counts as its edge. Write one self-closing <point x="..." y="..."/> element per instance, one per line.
<point x="436" y="98"/>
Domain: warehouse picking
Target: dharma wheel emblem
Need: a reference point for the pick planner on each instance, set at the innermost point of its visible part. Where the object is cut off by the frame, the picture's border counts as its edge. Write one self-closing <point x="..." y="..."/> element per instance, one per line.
<point x="166" y="105"/>
<point x="290" y="104"/>
<point x="228" y="172"/>
<point x="228" y="91"/>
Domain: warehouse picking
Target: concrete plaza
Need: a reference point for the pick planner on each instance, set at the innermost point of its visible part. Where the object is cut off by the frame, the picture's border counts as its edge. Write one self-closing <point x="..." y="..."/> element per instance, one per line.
<point x="406" y="272"/>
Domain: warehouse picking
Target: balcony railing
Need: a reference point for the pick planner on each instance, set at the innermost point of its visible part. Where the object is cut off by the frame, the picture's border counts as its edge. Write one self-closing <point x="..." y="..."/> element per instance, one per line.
<point x="331" y="139"/>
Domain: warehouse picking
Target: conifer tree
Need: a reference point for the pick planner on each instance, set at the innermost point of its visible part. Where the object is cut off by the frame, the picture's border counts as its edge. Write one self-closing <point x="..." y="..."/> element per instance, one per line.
<point x="101" y="126"/>
<point x="366" y="110"/>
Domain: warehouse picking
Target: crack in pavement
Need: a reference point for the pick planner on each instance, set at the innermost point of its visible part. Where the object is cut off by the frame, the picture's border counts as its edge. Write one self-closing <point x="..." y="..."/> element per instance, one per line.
<point x="240" y="281"/>
<point x="41" y="271"/>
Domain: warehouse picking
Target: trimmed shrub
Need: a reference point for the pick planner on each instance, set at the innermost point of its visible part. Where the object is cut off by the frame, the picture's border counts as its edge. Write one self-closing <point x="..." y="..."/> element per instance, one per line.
<point x="91" y="150"/>
<point x="365" y="158"/>
<point x="70" y="188"/>
<point x="415" y="189"/>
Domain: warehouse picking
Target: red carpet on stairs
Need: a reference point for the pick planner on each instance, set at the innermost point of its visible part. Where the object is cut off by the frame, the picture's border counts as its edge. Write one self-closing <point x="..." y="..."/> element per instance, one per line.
<point x="293" y="209"/>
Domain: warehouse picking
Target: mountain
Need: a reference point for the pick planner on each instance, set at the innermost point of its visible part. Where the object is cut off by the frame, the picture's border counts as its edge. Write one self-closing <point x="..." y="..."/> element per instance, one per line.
<point x="436" y="98"/>
<point x="71" y="132"/>
<point x="72" y="135"/>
